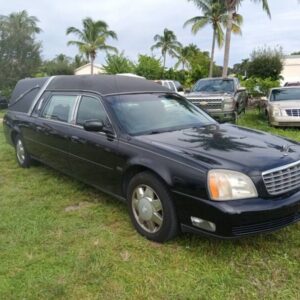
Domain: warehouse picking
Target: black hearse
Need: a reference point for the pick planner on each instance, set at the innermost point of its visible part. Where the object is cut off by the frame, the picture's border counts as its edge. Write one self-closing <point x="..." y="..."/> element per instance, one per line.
<point x="177" y="168"/>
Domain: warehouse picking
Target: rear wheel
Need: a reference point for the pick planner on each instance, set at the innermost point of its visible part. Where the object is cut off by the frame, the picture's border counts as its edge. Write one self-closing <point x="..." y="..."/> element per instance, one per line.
<point x="22" y="155"/>
<point x="151" y="209"/>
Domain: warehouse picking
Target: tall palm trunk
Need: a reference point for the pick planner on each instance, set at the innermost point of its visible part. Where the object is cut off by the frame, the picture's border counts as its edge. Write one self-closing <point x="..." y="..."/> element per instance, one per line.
<point x="164" y="64"/>
<point x="93" y="56"/>
<point x="231" y="12"/>
<point x="212" y="54"/>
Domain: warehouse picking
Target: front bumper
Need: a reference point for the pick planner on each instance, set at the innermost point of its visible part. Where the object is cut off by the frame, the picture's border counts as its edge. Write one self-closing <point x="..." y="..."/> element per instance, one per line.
<point x="222" y="116"/>
<point x="285" y="121"/>
<point x="238" y="218"/>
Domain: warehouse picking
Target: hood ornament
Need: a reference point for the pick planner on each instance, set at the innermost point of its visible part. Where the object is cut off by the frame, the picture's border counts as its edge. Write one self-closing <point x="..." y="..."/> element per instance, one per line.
<point x="286" y="149"/>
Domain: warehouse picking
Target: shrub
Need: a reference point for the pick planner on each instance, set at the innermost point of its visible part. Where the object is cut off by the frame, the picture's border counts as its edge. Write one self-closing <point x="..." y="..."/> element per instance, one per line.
<point x="259" y="87"/>
<point x="265" y="63"/>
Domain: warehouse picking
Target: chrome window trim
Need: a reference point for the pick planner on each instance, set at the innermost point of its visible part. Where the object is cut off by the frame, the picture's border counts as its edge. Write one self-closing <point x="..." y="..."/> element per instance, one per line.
<point x="40" y="93"/>
<point x="64" y="94"/>
<point x="97" y="98"/>
<point x="281" y="168"/>
<point x="72" y="122"/>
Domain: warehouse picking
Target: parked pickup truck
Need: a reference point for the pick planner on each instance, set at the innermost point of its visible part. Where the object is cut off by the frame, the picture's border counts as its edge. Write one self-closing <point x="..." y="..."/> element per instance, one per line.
<point x="222" y="98"/>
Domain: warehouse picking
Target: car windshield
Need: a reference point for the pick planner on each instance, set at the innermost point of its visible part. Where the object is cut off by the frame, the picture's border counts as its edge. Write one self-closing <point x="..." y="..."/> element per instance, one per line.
<point x="154" y="113"/>
<point x="285" y="94"/>
<point x="214" y="86"/>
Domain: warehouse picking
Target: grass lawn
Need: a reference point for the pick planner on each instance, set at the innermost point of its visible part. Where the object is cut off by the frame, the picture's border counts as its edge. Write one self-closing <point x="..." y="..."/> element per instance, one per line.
<point x="2" y="112"/>
<point x="60" y="239"/>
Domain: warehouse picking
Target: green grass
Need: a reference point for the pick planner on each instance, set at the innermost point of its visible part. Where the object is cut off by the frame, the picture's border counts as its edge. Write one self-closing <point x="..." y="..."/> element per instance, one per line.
<point x="60" y="239"/>
<point x="2" y="112"/>
<point x="257" y="120"/>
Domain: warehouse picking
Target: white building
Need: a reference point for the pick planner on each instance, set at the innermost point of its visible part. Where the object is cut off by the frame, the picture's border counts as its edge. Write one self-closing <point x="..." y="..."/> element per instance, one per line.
<point x="291" y="68"/>
<point x="86" y="69"/>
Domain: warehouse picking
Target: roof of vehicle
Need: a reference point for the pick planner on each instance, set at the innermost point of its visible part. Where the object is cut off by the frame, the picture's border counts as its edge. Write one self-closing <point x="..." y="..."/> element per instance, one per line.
<point x="28" y="89"/>
<point x="218" y="78"/>
<point x="286" y="88"/>
<point x="104" y="84"/>
<point x="292" y="83"/>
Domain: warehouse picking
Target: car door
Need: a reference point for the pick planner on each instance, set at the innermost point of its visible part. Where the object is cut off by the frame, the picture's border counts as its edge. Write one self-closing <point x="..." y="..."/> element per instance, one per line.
<point x="51" y="130"/>
<point x="93" y="155"/>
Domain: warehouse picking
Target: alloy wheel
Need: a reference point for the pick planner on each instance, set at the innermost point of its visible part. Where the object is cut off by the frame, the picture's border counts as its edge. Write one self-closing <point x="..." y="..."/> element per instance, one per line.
<point x="147" y="208"/>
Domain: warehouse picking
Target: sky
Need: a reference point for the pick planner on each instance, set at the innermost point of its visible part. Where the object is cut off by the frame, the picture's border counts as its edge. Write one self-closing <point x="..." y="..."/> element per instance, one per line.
<point x="137" y="21"/>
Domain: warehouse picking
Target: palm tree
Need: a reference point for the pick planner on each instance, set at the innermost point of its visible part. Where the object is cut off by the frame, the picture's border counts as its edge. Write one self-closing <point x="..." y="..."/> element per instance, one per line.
<point x="21" y="22"/>
<point x="167" y="43"/>
<point x="92" y="38"/>
<point x="215" y="14"/>
<point x="183" y="55"/>
<point x="232" y="6"/>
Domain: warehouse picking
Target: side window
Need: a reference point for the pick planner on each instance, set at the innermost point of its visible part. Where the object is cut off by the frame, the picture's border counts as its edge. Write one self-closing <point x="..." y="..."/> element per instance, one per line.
<point x="172" y="86"/>
<point x="90" y="108"/>
<point x="60" y="108"/>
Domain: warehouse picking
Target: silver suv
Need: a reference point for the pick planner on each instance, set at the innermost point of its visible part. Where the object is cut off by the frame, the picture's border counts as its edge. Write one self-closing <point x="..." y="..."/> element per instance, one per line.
<point x="222" y="98"/>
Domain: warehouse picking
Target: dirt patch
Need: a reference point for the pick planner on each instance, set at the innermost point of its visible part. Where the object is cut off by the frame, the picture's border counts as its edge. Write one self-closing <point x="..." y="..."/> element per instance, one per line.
<point x="78" y="206"/>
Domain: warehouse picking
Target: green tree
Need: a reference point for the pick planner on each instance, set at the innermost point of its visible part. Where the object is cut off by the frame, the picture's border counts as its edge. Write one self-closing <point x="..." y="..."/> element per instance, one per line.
<point x="232" y="6"/>
<point x="183" y="55"/>
<point x="118" y="63"/>
<point x="296" y="53"/>
<point x="148" y="67"/>
<point x="60" y="65"/>
<point x="80" y="60"/>
<point x="199" y="63"/>
<point x="265" y="63"/>
<point x="241" y="69"/>
<point x="19" y="50"/>
<point x="167" y="43"/>
<point x="92" y="38"/>
<point x="214" y="14"/>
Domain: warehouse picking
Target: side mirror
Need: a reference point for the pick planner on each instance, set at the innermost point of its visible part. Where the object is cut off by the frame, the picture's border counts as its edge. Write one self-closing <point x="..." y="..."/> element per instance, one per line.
<point x="241" y="89"/>
<point x="180" y="89"/>
<point x="93" y="125"/>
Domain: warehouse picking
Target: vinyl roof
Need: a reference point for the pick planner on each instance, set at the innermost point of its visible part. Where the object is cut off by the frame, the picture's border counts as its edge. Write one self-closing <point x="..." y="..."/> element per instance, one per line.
<point x="104" y="84"/>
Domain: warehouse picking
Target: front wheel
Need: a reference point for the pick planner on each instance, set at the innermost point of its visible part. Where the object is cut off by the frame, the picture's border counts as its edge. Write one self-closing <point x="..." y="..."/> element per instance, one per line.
<point x="22" y="155"/>
<point x="151" y="209"/>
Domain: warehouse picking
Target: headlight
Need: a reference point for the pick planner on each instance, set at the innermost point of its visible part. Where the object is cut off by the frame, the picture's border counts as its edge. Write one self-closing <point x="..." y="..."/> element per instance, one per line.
<point x="276" y="111"/>
<point x="230" y="185"/>
<point x="228" y="103"/>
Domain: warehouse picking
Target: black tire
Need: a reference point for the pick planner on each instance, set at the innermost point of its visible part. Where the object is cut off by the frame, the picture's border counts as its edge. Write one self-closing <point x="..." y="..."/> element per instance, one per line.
<point x="235" y="117"/>
<point x="23" y="157"/>
<point x="169" y="225"/>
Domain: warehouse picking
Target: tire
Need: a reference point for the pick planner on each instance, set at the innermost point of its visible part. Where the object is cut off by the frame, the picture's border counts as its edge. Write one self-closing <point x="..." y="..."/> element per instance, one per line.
<point x="150" y="208"/>
<point x="23" y="157"/>
<point x="235" y="118"/>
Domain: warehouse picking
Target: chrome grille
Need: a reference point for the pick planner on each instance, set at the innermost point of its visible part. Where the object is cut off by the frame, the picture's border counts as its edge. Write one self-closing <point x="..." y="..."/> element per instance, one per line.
<point x="211" y="103"/>
<point x="282" y="179"/>
<point x="293" y="112"/>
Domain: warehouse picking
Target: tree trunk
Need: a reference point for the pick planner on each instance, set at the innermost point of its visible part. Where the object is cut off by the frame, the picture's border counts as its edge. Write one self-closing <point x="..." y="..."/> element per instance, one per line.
<point x="164" y="65"/>
<point x="92" y="64"/>
<point x="227" y="41"/>
<point x="212" y="54"/>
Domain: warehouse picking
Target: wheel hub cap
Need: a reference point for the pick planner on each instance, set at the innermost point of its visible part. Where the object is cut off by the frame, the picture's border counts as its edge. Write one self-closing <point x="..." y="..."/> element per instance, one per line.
<point x="147" y="208"/>
<point x="20" y="151"/>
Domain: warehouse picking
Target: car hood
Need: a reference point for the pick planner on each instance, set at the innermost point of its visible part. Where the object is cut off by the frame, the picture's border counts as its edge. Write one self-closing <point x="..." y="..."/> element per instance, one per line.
<point x="286" y="104"/>
<point x="227" y="146"/>
<point x="207" y="95"/>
